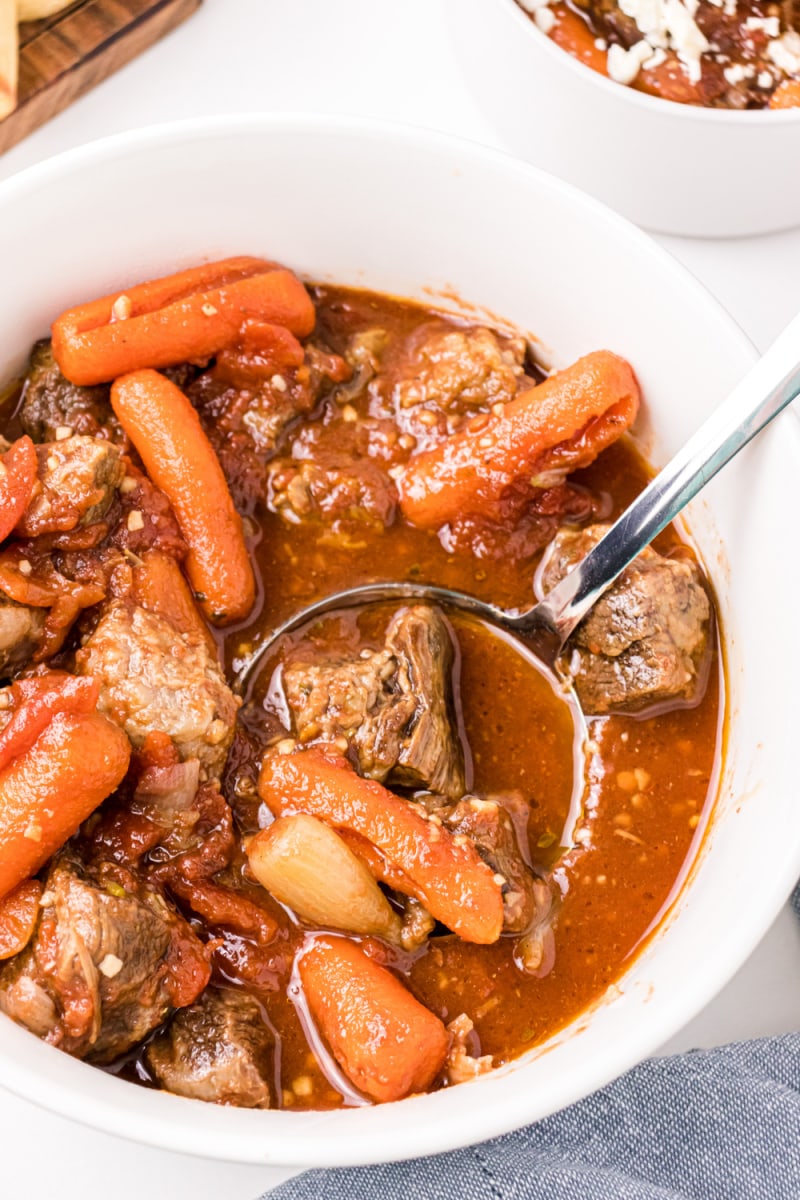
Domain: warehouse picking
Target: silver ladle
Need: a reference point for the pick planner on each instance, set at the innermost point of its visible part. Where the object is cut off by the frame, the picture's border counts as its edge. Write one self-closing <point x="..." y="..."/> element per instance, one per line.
<point x="771" y="384"/>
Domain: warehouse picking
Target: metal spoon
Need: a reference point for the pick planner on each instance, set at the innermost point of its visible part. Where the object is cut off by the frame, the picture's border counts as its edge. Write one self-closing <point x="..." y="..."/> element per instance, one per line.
<point x="767" y="388"/>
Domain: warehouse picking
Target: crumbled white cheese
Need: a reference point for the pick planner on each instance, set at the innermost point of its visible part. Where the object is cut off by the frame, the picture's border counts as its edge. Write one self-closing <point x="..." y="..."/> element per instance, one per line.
<point x="737" y="73"/>
<point x="688" y="40"/>
<point x="545" y="18"/>
<point x="785" y="52"/>
<point x="601" y="43"/>
<point x="655" y="60"/>
<point x="771" y="26"/>
<point x="624" y="65"/>
<point x="649" y="18"/>
<point x="765" y="79"/>
<point x="110" y="966"/>
<point x="667" y="24"/>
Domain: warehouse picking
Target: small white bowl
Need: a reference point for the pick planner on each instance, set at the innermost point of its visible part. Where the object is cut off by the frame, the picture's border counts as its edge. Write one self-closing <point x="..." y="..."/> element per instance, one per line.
<point x="675" y="168"/>
<point x="417" y="214"/>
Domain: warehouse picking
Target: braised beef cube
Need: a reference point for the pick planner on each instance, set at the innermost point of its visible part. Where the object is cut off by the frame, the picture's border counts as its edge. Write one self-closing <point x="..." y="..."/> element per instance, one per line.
<point x="246" y="416"/>
<point x="101" y="972"/>
<point x="20" y="634"/>
<point x="220" y="1049"/>
<point x="394" y="706"/>
<point x="458" y="370"/>
<point x="646" y="639"/>
<point x="489" y="826"/>
<point x="51" y="404"/>
<point x="363" y="355"/>
<point x="351" y="496"/>
<point x="430" y="755"/>
<point x="154" y="678"/>
<point x="78" y="480"/>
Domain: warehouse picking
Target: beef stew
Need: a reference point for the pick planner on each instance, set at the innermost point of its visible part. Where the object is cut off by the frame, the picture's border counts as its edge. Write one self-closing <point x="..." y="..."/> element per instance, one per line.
<point x="403" y="825"/>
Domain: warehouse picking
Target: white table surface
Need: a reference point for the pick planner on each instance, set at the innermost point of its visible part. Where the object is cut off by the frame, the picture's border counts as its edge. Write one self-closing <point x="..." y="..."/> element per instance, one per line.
<point x="385" y="59"/>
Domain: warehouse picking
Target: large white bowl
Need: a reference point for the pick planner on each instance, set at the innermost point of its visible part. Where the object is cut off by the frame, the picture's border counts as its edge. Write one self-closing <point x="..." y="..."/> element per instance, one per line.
<point x="416" y="214"/>
<point x="671" y="167"/>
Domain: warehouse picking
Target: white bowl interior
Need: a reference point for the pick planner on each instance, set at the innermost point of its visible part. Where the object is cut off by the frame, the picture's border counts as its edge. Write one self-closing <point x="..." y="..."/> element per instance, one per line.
<point x="415" y="214"/>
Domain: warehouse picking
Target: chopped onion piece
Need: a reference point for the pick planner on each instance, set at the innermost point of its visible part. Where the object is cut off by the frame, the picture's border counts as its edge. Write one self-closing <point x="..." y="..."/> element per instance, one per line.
<point x="307" y="866"/>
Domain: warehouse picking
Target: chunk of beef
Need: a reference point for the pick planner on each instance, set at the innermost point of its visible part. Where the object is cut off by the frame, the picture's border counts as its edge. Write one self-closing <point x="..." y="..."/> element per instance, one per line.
<point x="489" y="826"/>
<point x="107" y="965"/>
<point x="457" y="370"/>
<point x="218" y="1050"/>
<point x="645" y="640"/>
<point x="20" y="634"/>
<point x="78" y="480"/>
<point x="363" y="355"/>
<point x="245" y="419"/>
<point x="352" y="497"/>
<point x="393" y="706"/>
<point x="156" y="679"/>
<point x="51" y="404"/>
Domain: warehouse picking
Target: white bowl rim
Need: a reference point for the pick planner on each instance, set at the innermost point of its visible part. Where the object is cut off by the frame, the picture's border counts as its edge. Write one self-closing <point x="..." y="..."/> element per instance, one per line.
<point x="686" y="112"/>
<point x="302" y="1138"/>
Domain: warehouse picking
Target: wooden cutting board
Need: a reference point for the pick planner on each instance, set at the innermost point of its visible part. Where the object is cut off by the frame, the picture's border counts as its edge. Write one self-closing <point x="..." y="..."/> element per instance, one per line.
<point x="65" y="55"/>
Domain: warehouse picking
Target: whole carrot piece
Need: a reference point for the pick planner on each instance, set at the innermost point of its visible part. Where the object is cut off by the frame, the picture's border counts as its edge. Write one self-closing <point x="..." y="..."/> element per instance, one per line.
<point x="590" y="403"/>
<point x="445" y="874"/>
<point x="52" y="787"/>
<point x="384" y="1040"/>
<point x="191" y="315"/>
<point x="181" y="461"/>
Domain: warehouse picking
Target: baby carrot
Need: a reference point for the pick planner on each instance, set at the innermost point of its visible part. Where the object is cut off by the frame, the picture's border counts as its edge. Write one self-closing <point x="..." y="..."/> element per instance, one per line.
<point x="49" y="790"/>
<point x="446" y="874"/>
<point x="384" y="1040"/>
<point x="470" y="471"/>
<point x="181" y="461"/>
<point x="188" y="316"/>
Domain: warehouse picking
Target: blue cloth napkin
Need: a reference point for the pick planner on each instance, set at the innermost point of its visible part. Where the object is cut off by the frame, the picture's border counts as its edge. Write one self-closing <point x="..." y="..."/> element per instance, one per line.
<point x="719" y="1124"/>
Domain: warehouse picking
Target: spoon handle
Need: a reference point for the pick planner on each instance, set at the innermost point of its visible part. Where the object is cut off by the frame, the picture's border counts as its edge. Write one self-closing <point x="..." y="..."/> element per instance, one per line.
<point x="771" y="384"/>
